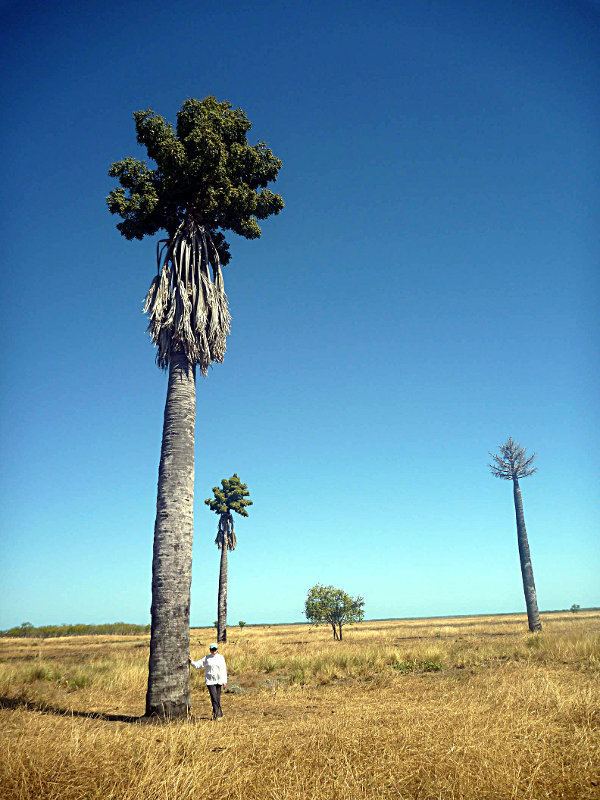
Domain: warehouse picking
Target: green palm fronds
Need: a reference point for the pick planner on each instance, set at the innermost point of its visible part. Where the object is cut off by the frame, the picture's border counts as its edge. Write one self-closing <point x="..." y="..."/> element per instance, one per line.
<point x="232" y="495"/>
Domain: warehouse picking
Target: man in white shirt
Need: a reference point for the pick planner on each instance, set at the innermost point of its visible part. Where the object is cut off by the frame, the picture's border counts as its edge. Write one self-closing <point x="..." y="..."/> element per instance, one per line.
<point x="215" y="675"/>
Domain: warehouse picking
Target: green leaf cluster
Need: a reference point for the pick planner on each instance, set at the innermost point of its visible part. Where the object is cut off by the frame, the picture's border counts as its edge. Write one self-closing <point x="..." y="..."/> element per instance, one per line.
<point x="326" y="604"/>
<point x="232" y="496"/>
<point x="204" y="167"/>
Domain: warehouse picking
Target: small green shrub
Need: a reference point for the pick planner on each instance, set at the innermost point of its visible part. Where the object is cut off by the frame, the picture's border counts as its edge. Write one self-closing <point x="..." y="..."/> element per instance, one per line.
<point x="418" y="665"/>
<point x="402" y="666"/>
<point x="298" y="675"/>
<point x="534" y="642"/>
<point x="430" y="665"/>
<point x="78" y="681"/>
<point x="39" y="673"/>
<point x="269" y="664"/>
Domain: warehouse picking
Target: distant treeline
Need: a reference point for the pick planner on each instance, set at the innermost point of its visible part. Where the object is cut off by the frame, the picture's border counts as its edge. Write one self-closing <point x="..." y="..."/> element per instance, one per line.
<point x="27" y="630"/>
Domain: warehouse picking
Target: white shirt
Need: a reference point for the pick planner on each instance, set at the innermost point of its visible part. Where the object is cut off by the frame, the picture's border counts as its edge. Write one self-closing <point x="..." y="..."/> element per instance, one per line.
<point x="215" y="669"/>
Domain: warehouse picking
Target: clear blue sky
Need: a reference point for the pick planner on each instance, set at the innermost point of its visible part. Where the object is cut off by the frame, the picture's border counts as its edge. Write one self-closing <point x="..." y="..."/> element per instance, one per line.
<point x="430" y="288"/>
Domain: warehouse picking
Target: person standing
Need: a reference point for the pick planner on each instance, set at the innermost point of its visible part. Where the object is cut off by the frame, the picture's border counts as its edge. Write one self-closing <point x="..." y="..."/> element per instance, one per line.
<point x="215" y="675"/>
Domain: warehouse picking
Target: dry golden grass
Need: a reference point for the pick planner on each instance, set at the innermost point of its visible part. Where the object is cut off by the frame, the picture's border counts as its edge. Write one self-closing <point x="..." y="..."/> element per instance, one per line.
<point x="470" y="708"/>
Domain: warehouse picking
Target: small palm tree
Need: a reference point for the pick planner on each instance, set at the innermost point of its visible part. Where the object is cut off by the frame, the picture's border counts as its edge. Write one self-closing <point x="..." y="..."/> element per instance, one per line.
<point x="207" y="179"/>
<point x="232" y="496"/>
<point x="511" y="464"/>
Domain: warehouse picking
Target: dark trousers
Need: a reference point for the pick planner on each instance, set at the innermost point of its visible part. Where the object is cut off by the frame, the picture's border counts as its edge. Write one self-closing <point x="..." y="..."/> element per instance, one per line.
<point x="215" y="698"/>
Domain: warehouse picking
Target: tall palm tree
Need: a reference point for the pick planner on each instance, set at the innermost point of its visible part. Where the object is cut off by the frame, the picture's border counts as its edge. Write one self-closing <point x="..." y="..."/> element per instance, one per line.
<point x="511" y="464"/>
<point x="230" y="497"/>
<point x="207" y="180"/>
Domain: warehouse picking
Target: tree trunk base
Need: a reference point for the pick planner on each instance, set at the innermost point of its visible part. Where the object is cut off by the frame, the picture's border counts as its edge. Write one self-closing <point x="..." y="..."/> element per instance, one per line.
<point x="168" y="693"/>
<point x="167" y="711"/>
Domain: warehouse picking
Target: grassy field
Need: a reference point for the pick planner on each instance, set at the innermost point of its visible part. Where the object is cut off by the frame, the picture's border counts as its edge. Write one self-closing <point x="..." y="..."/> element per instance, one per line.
<point x="432" y="709"/>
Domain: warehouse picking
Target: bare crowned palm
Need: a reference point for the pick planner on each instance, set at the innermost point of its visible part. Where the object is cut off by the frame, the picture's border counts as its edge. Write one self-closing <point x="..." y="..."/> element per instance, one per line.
<point x="232" y="496"/>
<point x="511" y="464"/>
<point x="207" y="179"/>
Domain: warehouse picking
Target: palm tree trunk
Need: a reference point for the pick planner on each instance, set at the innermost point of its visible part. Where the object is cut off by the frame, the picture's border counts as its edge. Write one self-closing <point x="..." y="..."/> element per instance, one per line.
<point x="222" y="600"/>
<point x="533" y="615"/>
<point x="168" y="674"/>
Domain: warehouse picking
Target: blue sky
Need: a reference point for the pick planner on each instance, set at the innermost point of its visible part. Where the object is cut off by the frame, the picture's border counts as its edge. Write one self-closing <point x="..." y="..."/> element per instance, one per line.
<point x="430" y="288"/>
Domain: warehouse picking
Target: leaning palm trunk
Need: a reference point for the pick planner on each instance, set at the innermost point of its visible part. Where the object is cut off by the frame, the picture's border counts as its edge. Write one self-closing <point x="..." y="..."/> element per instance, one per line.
<point x="225" y="541"/>
<point x="168" y="679"/>
<point x="533" y="615"/>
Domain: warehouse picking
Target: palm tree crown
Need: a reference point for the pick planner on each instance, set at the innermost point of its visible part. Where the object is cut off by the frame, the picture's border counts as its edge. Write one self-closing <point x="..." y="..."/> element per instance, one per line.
<point x="207" y="179"/>
<point x="232" y="496"/>
<point x="512" y="462"/>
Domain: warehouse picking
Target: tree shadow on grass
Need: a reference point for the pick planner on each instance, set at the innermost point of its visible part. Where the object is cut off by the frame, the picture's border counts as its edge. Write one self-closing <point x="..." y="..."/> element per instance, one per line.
<point x="13" y="703"/>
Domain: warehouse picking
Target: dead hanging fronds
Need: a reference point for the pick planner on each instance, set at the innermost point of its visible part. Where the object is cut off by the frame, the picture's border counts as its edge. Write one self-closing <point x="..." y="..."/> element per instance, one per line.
<point x="187" y="305"/>
<point x="226" y="532"/>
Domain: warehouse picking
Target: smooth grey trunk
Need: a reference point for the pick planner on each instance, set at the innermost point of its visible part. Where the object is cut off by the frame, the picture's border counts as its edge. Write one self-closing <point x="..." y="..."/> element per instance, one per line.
<point x="222" y="600"/>
<point x="168" y="673"/>
<point x="533" y="615"/>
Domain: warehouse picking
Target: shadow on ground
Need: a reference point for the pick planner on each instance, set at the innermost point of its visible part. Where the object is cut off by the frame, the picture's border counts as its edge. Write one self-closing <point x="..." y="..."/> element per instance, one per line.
<point x="12" y="703"/>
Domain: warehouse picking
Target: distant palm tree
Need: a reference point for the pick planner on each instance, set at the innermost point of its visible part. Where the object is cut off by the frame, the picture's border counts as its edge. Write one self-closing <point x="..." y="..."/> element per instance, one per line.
<point x="207" y="180"/>
<point x="230" y="497"/>
<point x="511" y="464"/>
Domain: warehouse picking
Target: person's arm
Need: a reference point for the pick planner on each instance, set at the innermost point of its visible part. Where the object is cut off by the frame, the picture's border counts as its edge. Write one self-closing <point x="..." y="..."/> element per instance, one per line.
<point x="200" y="664"/>
<point x="224" y="673"/>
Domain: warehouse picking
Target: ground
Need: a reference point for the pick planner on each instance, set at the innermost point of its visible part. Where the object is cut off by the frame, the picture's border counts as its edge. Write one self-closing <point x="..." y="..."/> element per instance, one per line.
<point x="441" y="709"/>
